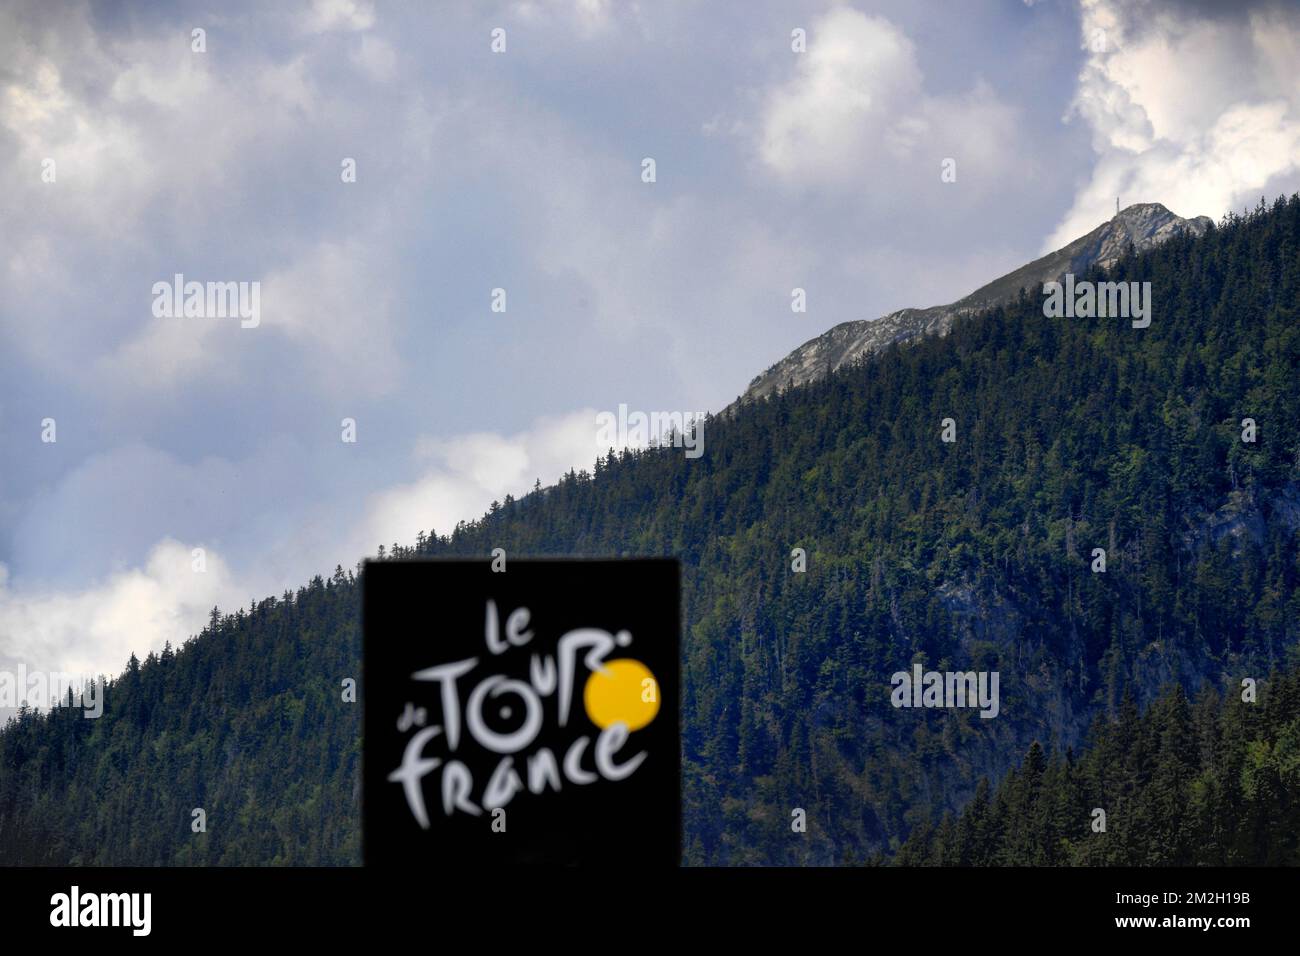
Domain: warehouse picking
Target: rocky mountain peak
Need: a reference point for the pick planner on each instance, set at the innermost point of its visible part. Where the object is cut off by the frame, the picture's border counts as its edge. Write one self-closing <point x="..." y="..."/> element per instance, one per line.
<point x="1142" y="224"/>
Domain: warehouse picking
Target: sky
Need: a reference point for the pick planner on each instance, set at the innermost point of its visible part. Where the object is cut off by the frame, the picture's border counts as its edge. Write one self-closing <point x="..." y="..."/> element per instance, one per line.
<point x="130" y="152"/>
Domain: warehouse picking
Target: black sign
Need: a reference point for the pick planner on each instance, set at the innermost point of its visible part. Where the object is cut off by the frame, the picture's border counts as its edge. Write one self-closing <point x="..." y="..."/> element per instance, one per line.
<point x="527" y="714"/>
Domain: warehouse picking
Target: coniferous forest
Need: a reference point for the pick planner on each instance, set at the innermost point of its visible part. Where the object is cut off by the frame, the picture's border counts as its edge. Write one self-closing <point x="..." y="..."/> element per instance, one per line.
<point x="1120" y="691"/>
<point x="1206" y="782"/>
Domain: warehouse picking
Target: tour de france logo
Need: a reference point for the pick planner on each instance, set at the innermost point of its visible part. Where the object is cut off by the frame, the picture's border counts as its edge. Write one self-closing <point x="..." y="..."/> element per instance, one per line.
<point x="532" y="723"/>
<point x="619" y="696"/>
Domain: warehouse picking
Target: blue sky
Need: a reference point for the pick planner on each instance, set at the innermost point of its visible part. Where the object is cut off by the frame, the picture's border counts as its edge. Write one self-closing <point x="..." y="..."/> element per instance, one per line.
<point x="518" y="170"/>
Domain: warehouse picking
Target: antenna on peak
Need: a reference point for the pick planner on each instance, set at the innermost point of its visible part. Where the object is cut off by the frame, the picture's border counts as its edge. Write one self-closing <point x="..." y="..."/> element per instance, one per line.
<point x="1117" y="205"/>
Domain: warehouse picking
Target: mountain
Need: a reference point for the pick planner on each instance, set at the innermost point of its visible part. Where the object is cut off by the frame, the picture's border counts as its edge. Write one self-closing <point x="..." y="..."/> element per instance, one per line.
<point x="971" y="555"/>
<point x="1144" y="225"/>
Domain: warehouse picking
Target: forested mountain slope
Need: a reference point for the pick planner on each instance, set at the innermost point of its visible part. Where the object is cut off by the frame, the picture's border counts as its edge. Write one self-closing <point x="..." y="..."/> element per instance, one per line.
<point x="1209" y="782"/>
<point x="1071" y="434"/>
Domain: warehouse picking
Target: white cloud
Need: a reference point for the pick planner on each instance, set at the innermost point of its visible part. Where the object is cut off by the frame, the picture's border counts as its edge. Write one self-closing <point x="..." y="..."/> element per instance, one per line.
<point x="464" y="475"/>
<point x="856" y="111"/>
<point x="101" y="161"/>
<point x="159" y="153"/>
<point x="333" y="301"/>
<point x="94" y="629"/>
<point x="376" y="58"/>
<point x="589" y="16"/>
<point x="1200" y="114"/>
<point x="847" y="89"/>
<point x="347" y="15"/>
<point x="161" y="72"/>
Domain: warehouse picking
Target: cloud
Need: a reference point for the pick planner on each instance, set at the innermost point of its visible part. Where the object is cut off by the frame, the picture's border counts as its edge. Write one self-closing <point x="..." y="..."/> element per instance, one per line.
<point x="1188" y="106"/>
<point x="347" y="15"/>
<point x="106" y="511"/>
<point x="95" y="628"/>
<point x="846" y="92"/>
<point x="376" y="58"/>
<point x="589" y="16"/>
<point x="163" y="156"/>
<point x="462" y="476"/>
<point x="855" y="112"/>
<point x="333" y="303"/>
<point x="53" y="621"/>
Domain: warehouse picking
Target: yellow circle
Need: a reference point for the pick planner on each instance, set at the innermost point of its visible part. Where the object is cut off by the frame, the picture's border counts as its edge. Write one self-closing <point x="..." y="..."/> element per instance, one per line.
<point x="622" y="691"/>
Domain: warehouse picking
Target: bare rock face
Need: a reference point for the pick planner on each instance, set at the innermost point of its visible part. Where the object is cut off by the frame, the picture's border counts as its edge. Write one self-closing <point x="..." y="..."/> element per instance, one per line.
<point x="1143" y="224"/>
